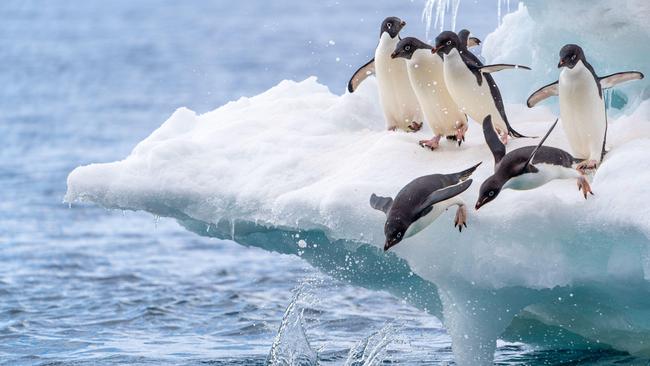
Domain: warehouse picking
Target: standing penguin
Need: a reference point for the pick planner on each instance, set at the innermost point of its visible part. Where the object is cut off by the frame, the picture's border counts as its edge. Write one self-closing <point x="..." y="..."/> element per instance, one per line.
<point x="420" y="202"/>
<point x="471" y="85"/>
<point x="582" y="106"/>
<point x="527" y="167"/>
<point x="425" y="70"/>
<point x="398" y="100"/>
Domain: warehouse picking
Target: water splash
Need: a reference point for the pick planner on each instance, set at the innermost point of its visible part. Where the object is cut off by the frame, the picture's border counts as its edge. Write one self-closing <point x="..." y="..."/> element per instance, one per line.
<point x="290" y="346"/>
<point x="372" y="350"/>
<point x="442" y="7"/>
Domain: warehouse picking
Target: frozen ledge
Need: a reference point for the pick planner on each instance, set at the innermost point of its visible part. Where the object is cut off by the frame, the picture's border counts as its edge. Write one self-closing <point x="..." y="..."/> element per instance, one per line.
<point x="297" y="164"/>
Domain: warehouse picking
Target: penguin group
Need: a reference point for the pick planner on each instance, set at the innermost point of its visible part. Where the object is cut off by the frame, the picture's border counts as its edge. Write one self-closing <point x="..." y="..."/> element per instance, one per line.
<point x="445" y="84"/>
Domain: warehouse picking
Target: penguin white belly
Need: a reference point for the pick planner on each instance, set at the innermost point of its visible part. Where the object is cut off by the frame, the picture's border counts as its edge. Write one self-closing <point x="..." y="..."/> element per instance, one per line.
<point x="472" y="99"/>
<point x="436" y="211"/>
<point x="398" y="100"/>
<point x="425" y="71"/>
<point x="583" y="112"/>
<point x="546" y="173"/>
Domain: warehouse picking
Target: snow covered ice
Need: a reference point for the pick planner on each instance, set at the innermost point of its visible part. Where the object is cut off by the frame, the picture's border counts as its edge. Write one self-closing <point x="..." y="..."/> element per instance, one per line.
<point x="545" y="267"/>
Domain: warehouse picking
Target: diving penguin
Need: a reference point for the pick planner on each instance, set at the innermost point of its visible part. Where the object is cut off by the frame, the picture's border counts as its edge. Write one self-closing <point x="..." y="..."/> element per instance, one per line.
<point x="425" y="71"/>
<point x="471" y="85"/>
<point x="582" y="107"/>
<point x="398" y="100"/>
<point x="420" y="202"/>
<point x="527" y="167"/>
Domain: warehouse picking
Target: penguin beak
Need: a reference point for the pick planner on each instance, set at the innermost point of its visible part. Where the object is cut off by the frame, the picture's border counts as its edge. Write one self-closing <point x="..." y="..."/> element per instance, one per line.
<point x="389" y="244"/>
<point x="479" y="204"/>
<point x="403" y="23"/>
<point x="434" y="50"/>
<point x="560" y="64"/>
<point x="393" y="55"/>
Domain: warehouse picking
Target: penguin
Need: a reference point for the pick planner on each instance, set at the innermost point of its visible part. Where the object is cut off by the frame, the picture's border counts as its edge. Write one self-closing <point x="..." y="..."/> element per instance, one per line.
<point x="398" y="100"/>
<point x="420" y="202"/>
<point x="470" y="83"/>
<point x="465" y="38"/>
<point x="582" y="106"/>
<point x="527" y="167"/>
<point x="425" y="71"/>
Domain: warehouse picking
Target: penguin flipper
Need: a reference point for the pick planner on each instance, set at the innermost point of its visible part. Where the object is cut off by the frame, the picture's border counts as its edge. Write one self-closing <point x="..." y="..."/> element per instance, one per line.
<point x="498" y="67"/>
<point x="381" y="203"/>
<point x="442" y="195"/>
<point x="543" y="93"/>
<point x="612" y="80"/>
<point x="541" y="142"/>
<point x="493" y="141"/>
<point x="461" y="176"/>
<point x="361" y="75"/>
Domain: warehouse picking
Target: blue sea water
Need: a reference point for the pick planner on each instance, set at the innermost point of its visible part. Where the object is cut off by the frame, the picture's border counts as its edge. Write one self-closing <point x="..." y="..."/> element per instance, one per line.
<point x="83" y="82"/>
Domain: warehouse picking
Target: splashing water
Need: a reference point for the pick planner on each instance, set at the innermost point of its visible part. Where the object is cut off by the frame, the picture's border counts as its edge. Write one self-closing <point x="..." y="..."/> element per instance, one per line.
<point x="290" y="346"/>
<point x="444" y="7"/>
<point x="372" y="350"/>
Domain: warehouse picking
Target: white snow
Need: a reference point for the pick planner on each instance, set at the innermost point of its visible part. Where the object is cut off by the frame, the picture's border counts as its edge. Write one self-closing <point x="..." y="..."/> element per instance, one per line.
<point x="298" y="157"/>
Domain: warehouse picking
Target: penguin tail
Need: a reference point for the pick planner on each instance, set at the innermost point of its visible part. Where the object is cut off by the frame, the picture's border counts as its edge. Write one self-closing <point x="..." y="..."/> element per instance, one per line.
<point x="462" y="176"/>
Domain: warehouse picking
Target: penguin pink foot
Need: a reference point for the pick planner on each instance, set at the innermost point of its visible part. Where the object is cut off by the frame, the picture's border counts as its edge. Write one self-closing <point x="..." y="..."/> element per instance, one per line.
<point x="431" y="144"/>
<point x="460" y="134"/>
<point x="583" y="185"/>
<point x="503" y="136"/>
<point x="461" y="218"/>
<point x="587" y="165"/>
<point x="415" y="127"/>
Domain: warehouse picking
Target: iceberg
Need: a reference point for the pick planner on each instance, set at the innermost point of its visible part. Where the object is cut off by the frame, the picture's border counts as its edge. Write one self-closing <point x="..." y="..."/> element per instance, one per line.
<point x="291" y="171"/>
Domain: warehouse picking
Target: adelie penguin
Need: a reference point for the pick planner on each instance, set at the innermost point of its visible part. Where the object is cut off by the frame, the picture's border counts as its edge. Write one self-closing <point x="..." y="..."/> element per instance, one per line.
<point x="527" y="167"/>
<point x="397" y="98"/>
<point x="425" y="71"/>
<point x="471" y="85"/>
<point x="420" y="202"/>
<point x="582" y="106"/>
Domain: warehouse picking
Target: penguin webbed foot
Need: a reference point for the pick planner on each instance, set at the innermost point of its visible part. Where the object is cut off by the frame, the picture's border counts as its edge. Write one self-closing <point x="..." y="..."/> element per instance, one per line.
<point x="461" y="218"/>
<point x="503" y="136"/>
<point x="430" y="144"/>
<point x="415" y="127"/>
<point x="584" y="186"/>
<point x="460" y="134"/>
<point x="586" y="165"/>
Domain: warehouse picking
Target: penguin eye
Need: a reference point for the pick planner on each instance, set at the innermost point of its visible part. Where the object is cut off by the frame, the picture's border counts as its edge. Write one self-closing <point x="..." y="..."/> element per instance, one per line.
<point x="448" y="43"/>
<point x="573" y="57"/>
<point x="407" y="48"/>
<point x="399" y="235"/>
<point x="389" y="25"/>
<point x="491" y="194"/>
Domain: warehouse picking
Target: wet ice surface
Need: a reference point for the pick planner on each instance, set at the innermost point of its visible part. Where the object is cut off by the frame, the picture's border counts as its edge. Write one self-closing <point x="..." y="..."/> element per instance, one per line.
<point x="83" y="82"/>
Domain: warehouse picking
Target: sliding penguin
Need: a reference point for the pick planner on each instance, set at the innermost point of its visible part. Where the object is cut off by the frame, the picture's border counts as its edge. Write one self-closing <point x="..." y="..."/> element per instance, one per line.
<point x="527" y="167"/>
<point x="425" y="71"/>
<point x="398" y="100"/>
<point x="471" y="85"/>
<point x="420" y="202"/>
<point x="582" y="107"/>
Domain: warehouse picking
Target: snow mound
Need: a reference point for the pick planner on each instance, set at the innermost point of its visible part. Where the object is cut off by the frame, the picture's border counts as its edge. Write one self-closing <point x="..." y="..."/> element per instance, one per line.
<point x="291" y="170"/>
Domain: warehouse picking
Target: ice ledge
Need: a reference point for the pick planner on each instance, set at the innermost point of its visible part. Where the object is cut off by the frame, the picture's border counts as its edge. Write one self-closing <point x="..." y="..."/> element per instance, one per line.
<point x="298" y="159"/>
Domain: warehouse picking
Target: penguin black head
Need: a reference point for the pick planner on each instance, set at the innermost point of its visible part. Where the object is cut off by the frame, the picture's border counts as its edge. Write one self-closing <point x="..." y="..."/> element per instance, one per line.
<point x="570" y="55"/>
<point x="392" y="25"/>
<point x="395" y="231"/>
<point x="489" y="191"/>
<point x="406" y="47"/>
<point x="445" y="42"/>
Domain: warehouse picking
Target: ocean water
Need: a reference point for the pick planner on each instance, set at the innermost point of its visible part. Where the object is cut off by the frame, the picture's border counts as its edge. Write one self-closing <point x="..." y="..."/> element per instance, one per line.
<point x="83" y="82"/>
